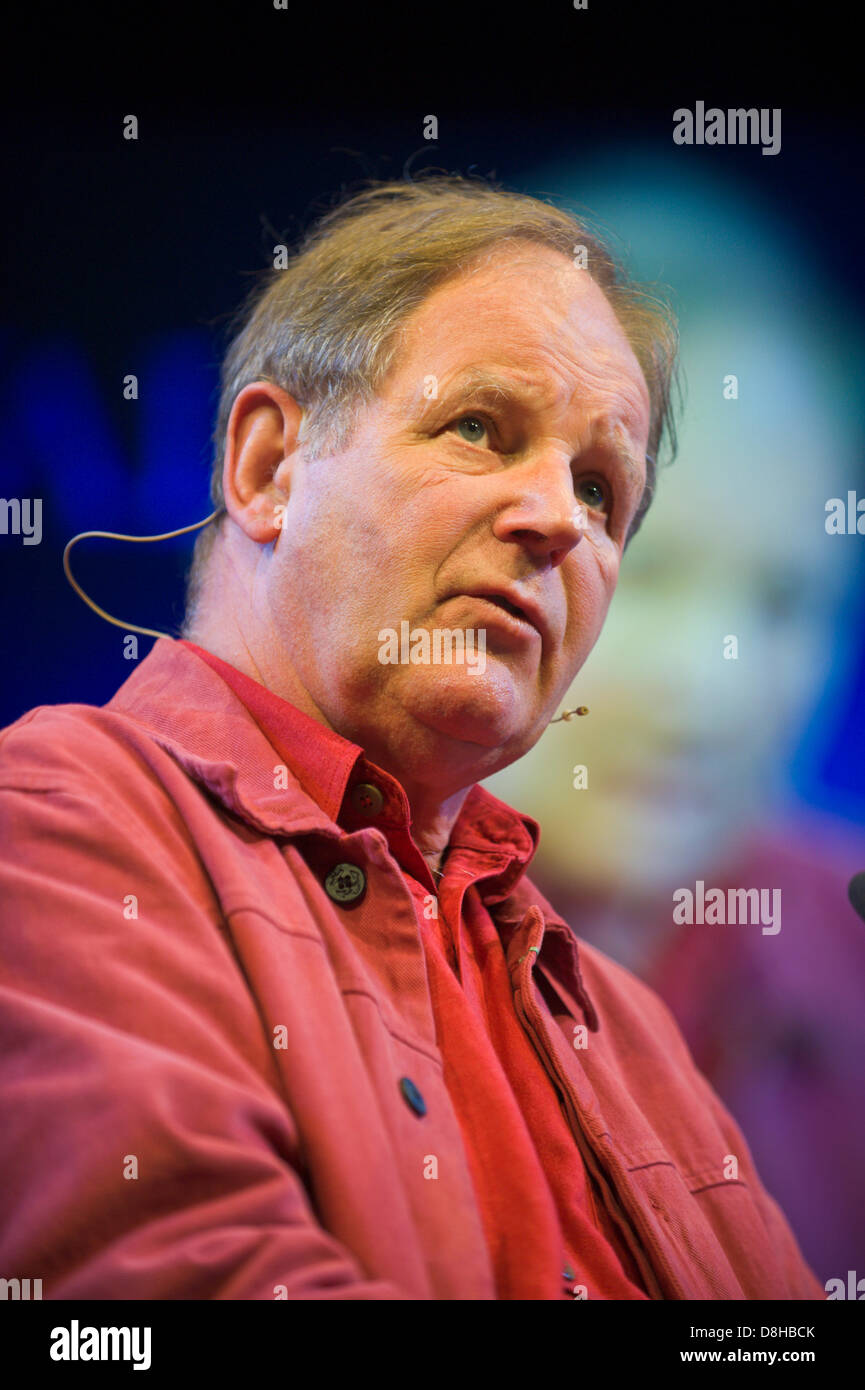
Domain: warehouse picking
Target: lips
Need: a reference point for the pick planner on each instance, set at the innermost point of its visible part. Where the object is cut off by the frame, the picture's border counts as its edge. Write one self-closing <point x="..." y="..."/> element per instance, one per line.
<point x="507" y="604"/>
<point x="517" y="604"/>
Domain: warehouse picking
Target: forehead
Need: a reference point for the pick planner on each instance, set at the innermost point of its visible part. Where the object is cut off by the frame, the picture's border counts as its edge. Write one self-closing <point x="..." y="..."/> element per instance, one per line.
<point x="526" y="312"/>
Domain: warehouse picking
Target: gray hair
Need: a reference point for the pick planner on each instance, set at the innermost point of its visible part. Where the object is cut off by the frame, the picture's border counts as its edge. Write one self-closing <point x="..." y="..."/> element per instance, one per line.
<point x="326" y="328"/>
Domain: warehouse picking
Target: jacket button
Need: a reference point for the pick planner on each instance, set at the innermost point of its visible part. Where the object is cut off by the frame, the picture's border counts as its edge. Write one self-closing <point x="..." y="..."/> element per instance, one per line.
<point x="367" y="799"/>
<point x="412" y="1095"/>
<point x="345" y="883"/>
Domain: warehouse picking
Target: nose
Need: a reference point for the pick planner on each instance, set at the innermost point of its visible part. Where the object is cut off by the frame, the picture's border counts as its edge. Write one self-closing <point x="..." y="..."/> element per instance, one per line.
<point x="541" y="512"/>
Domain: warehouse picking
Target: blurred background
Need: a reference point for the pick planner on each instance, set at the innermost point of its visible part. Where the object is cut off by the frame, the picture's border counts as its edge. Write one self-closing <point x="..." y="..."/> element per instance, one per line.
<point x="129" y="257"/>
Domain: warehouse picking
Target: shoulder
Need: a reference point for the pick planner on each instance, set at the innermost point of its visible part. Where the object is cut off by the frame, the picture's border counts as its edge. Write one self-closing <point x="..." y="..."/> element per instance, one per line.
<point x="64" y="747"/>
<point x="76" y="779"/>
<point x="620" y="997"/>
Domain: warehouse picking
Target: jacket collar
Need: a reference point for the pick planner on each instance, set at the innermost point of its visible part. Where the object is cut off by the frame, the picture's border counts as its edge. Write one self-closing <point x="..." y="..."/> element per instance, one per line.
<point x="212" y="736"/>
<point x="559" y="958"/>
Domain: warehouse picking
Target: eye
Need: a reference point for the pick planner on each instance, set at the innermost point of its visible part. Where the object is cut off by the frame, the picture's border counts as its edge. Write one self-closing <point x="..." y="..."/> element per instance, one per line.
<point x="472" y="428"/>
<point x="595" y="494"/>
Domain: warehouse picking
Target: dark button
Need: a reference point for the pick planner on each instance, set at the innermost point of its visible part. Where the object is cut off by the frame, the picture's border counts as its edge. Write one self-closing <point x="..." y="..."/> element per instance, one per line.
<point x="345" y="883"/>
<point x="412" y="1095"/>
<point x="568" y="1273"/>
<point x="367" y="799"/>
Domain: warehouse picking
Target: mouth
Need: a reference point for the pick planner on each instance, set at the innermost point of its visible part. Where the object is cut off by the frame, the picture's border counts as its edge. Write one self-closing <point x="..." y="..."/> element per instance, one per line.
<point x="504" y="603"/>
<point x="522" y="610"/>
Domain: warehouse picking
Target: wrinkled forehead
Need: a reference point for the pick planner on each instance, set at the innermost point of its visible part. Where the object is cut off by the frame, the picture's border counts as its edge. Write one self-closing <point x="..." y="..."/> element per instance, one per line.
<point x="528" y="313"/>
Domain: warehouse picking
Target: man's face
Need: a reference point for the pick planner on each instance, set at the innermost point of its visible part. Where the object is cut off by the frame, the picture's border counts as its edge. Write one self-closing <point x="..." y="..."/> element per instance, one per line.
<point x="444" y="494"/>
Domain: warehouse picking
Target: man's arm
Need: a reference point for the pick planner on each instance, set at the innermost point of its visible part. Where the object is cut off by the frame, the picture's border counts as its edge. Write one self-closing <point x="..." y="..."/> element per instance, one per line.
<point x="699" y="1131"/>
<point x="142" y="1153"/>
<point x="801" y="1279"/>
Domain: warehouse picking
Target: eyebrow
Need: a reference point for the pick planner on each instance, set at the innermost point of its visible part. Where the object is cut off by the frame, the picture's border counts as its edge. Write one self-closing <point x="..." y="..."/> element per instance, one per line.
<point x="637" y="468"/>
<point x="488" y="389"/>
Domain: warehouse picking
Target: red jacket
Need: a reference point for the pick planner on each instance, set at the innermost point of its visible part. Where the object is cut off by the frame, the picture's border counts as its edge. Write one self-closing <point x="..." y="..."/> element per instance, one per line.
<point x="549" y="1234"/>
<point x="220" y="1073"/>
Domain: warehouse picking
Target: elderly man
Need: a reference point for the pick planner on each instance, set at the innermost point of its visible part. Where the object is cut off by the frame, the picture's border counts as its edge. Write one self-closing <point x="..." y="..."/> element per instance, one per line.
<point x="283" y="1015"/>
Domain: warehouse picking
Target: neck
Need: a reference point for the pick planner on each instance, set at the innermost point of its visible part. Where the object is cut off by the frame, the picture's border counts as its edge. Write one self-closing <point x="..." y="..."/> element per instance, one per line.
<point x="434" y="806"/>
<point x="432" y="819"/>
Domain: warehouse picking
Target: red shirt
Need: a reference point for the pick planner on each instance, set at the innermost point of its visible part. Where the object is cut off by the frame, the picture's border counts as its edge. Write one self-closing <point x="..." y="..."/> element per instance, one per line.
<point x="540" y="1214"/>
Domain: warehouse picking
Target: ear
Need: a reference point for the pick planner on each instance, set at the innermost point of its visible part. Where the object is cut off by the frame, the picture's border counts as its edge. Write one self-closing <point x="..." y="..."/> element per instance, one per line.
<point x="262" y="435"/>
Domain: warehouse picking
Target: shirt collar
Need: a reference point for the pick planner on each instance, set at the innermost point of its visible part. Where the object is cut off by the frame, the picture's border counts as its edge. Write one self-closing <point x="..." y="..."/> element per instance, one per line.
<point x="337" y="775"/>
<point x="322" y="761"/>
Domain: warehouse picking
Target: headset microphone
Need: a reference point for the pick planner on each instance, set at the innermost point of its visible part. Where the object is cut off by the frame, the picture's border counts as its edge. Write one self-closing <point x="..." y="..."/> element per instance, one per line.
<point x="116" y="536"/>
<point x="568" y="714"/>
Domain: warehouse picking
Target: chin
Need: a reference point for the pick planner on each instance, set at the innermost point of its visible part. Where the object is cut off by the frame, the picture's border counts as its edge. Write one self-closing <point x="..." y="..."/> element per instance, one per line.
<point x="486" y="709"/>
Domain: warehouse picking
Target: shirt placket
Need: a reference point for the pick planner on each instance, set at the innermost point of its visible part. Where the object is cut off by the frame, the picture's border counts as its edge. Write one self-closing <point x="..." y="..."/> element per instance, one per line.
<point x="634" y="1230"/>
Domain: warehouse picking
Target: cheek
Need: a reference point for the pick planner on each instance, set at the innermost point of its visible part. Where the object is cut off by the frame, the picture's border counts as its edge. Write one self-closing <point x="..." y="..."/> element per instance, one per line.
<point x="591" y="587"/>
<point x="351" y="527"/>
<point x="383" y="511"/>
